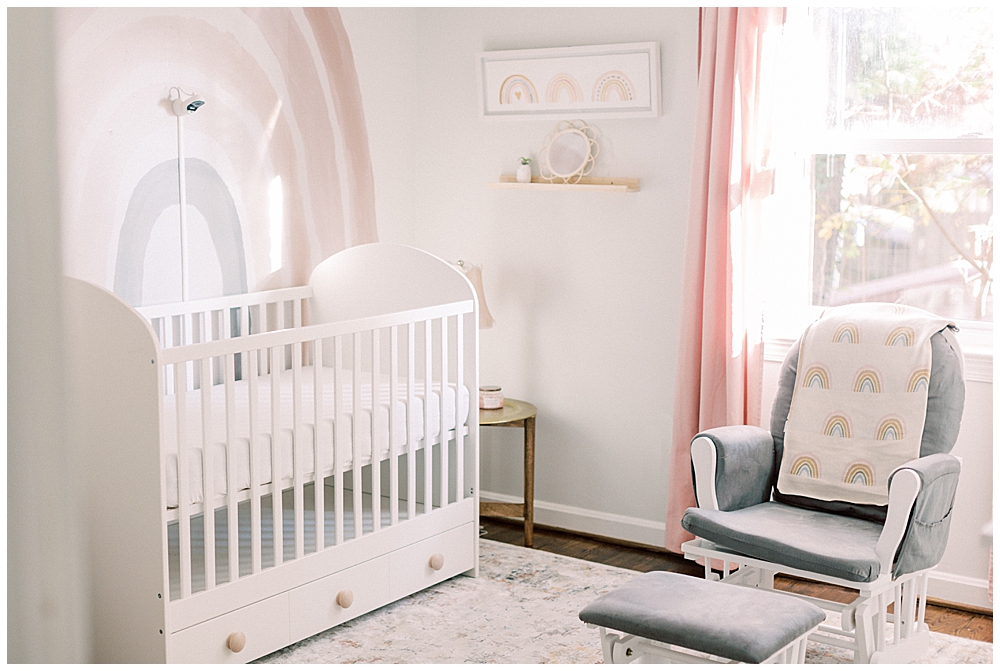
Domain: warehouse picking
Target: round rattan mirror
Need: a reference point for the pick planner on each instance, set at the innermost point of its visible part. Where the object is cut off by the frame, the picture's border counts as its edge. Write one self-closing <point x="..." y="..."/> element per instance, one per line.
<point x="568" y="153"/>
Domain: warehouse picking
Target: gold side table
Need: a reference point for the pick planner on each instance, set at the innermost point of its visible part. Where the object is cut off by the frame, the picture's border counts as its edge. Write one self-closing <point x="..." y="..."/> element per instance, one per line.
<point x="520" y="414"/>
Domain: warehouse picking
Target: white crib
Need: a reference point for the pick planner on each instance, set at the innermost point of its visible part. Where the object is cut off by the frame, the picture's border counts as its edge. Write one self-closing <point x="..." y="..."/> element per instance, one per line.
<point x="262" y="467"/>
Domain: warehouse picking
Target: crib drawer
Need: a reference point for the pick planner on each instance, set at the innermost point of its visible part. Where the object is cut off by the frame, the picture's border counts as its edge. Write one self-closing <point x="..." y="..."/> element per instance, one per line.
<point x="430" y="561"/>
<point x="320" y="604"/>
<point x="264" y="626"/>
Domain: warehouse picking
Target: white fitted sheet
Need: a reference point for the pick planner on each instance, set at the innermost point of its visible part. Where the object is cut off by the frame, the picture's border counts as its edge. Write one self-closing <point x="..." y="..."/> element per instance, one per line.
<point x="348" y="440"/>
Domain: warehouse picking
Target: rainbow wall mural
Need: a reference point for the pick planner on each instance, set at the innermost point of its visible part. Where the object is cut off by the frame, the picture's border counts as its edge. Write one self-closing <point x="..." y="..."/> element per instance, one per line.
<point x="278" y="170"/>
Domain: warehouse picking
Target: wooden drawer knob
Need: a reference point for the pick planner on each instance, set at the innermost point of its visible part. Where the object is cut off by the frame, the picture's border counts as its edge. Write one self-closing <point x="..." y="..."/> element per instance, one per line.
<point x="437" y="561"/>
<point x="345" y="598"/>
<point x="236" y="641"/>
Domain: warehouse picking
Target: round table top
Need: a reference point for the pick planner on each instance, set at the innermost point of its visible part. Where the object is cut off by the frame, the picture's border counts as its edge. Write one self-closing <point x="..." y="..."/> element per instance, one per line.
<point x="513" y="410"/>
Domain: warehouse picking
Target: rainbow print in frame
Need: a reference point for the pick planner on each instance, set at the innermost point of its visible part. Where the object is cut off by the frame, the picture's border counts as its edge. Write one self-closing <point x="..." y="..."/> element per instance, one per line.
<point x="601" y="81"/>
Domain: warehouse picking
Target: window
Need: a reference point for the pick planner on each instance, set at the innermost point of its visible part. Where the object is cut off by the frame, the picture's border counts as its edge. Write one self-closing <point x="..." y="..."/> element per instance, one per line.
<point x="884" y="191"/>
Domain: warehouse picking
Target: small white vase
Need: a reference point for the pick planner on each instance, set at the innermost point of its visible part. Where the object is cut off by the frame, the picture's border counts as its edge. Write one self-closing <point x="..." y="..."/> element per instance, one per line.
<point x="524" y="173"/>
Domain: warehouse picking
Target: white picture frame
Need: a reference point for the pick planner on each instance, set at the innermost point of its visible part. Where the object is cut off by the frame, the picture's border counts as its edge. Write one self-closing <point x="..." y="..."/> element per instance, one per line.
<point x="596" y="82"/>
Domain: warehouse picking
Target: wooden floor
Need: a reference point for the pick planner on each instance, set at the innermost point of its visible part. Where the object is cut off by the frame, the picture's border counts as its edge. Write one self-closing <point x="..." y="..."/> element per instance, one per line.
<point x="951" y="621"/>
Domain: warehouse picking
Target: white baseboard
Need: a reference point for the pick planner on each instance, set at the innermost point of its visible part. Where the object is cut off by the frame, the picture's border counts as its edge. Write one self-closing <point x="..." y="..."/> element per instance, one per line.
<point x="949" y="587"/>
<point x="959" y="589"/>
<point x="620" y="527"/>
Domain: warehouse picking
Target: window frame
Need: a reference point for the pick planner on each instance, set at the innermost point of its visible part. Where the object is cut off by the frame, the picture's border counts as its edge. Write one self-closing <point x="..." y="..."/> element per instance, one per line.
<point x="790" y="310"/>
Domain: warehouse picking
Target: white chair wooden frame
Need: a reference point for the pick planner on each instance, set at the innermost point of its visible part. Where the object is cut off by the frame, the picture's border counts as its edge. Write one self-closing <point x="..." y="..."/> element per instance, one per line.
<point x="863" y="621"/>
<point x="631" y="649"/>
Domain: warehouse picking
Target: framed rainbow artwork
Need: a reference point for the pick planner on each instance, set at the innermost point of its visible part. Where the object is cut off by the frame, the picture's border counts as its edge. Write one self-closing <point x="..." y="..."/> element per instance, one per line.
<point x="602" y="81"/>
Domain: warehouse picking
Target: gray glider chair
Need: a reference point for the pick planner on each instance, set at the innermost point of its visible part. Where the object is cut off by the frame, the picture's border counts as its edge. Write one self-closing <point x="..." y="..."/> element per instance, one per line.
<point x="883" y="552"/>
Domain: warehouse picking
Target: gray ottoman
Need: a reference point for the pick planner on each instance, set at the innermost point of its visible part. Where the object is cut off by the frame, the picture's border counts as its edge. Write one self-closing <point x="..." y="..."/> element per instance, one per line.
<point x="665" y="616"/>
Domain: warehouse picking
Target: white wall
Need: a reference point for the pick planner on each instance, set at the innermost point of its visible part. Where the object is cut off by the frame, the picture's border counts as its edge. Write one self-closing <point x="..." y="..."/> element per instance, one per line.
<point x="585" y="287"/>
<point x="46" y="576"/>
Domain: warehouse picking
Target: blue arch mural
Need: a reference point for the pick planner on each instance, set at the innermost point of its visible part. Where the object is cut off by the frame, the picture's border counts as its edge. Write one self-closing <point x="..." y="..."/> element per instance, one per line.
<point x="155" y="192"/>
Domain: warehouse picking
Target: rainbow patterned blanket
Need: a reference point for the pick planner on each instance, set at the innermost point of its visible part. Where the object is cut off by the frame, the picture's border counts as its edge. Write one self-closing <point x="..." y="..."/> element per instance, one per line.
<point x="859" y="401"/>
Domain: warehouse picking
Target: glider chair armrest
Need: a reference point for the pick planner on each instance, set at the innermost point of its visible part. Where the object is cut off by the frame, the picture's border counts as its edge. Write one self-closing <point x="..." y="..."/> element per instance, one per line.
<point x="921" y="496"/>
<point x="732" y="467"/>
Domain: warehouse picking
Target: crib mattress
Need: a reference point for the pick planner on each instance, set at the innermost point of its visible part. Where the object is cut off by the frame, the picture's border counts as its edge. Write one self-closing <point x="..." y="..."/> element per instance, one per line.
<point x="353" y="428"/>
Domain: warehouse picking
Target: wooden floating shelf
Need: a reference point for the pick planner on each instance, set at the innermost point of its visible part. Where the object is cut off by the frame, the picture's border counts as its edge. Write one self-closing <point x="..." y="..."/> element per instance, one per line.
<point x="630" y="184"/>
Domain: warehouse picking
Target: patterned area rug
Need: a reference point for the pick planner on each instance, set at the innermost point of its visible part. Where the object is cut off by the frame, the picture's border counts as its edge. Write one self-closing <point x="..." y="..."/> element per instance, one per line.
<point x="521" y="610"/>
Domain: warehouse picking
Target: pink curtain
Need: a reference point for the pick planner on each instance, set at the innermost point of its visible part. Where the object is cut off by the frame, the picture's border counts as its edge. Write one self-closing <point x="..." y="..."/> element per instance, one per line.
<point x="720" y="356"/>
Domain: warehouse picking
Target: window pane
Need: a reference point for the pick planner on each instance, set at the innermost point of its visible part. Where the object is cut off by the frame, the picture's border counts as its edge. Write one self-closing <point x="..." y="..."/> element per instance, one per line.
<point x="904" y="228"/>
<point x="898" y="71"/>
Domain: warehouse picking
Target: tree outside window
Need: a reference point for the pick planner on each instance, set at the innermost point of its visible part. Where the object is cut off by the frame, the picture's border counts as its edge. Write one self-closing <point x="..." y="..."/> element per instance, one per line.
<point x="894" y="124"/>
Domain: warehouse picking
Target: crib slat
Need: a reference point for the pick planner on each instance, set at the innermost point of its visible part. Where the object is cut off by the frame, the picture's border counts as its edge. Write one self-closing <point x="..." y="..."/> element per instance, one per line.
<point x="277" y="514"/>
<point x="233" y="528"/>
<point x="428" y="441"/>
<point x="356" y="438"/>
<point x="376" y="431"/>
<point x="217" y="334"/>
<point x="255" y="493"/>
<point x="297" y="451"/>
<point x="318" y="425"/>
<point x="208" y="488"/>
<point x="442" y="403"/>
<point x="393" y="456"/>
<point x="183" y="495"/>
<point x="411" y="443"/>
<point x="338" y="418"/>
<point x="262" y="366"/>
<point x="459" y="384"/>
<point x="244" y="320"/>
